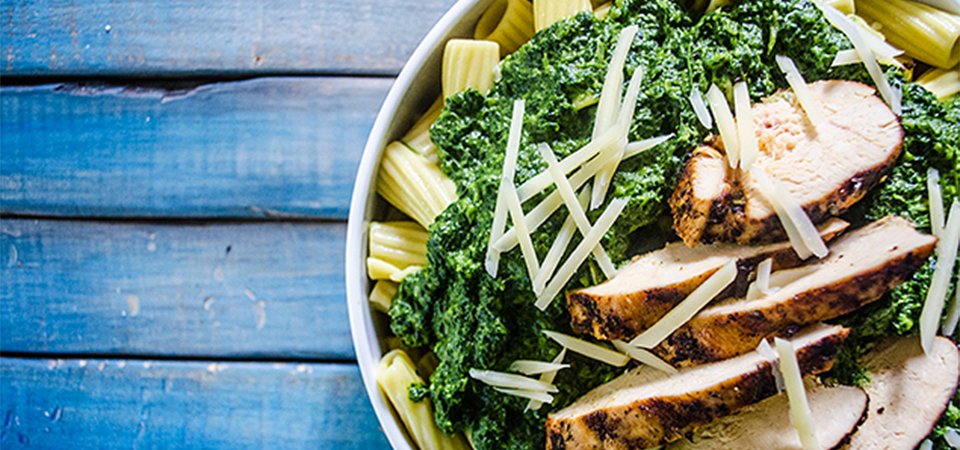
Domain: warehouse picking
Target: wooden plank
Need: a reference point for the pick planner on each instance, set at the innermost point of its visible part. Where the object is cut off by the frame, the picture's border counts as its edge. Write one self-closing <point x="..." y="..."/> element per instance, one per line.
<point x="174" y="404"/>
<point x="267" y="290"/>
<point x="184" y="37"/>
<point x="276" y="147"/>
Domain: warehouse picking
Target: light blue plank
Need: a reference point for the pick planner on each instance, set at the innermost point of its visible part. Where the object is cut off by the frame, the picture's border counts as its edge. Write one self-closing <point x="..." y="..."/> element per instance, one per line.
<point x="185" y="37"/>
<point x="122" y="404"/>
<point x="265" y="147"/>
<point x="270" y="290"/>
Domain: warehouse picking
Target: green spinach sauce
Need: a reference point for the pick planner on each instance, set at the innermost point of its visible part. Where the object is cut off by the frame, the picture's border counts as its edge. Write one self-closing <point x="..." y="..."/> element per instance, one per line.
<point x="471" y="320"/>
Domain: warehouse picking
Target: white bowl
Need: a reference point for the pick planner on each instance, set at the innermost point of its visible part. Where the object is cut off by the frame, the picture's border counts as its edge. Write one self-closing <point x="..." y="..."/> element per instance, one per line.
<point x="413" y="91"/>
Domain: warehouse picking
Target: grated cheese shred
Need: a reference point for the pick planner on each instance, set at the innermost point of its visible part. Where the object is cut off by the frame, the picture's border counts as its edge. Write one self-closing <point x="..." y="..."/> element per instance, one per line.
<point x="700" y="108"/>
<point x="805" y="96"/>
<point x="644" y="356"/>
<point x="548" y="377"/>
<point x="800" y="414"/>
<point x="580" y="252"/>
<point x="687" y="308"/>
<point x="867" y="55"/>
<point x="570" y="200"/>
<point x="492" y="261"/>
<point x="745" y="133"/>
<point x="940" y="281"/>
<point x="588" y="349"/>
<point x="725" y="123"/>
<point x="803" y="235"/>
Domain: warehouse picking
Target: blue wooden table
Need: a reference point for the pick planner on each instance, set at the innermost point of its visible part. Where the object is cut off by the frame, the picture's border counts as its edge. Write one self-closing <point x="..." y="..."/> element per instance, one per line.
<point x="174" y="183"/>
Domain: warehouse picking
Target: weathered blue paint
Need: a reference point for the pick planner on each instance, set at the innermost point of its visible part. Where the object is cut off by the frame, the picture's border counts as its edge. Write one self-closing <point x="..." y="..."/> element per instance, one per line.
<point x="264" y="290"/>
<point x="274" y="147"/>
<point x="185" y="37"/>
<point x="173" y="404"/>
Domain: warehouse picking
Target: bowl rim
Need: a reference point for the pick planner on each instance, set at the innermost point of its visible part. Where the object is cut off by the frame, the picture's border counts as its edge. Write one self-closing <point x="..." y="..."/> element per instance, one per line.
<point x="366" y="343"/>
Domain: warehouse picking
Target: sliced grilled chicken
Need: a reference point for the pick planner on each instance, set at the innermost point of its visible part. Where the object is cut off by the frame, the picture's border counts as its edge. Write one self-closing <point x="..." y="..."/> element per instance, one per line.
<point x="908" y="392"/>
<point x="837" y="412"/>
<point x="862" y="265"/>
<point x="827" y="169"/>
<point x="647" y="288"/>
<point x="645" y="408"/>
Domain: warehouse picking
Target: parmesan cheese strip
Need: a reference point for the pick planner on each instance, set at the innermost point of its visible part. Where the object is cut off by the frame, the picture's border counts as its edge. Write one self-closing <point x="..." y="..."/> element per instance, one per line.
<point x="799" y="408"/>
<point x="766" y="351"/>
<point x="700" y="108"/>
<point x="687" y="308"/>
<point x="860" y="44"/>
<point x="800" y="230"/>
<point x="541" y="181"/>
<point x="548" y="377"/>
<point x="570" y="200"/>
<point x="523" y="234"/>
<point x="940" y="281"/>
<point x="573" y="262"/>
<point x="935" y="200"/>
<point x="762" y="283"/>
<point x="506" y="179"/>
<point x="560" y="243"/>
<point x="644" y="356"/>
<point x="531" y="367"/>
<point x="542" y="397"/>
<point x="609" y="104"/>
<point x="588" y="349"/>
<point x="552" y="202"/>
<point x="725" y="123"/>
<point x="638" y="147"/>
<point x="745" y="132"/>
<point x="602" y="183"/>
<point x="511" y="381"/>
<point x="805" y="97"/>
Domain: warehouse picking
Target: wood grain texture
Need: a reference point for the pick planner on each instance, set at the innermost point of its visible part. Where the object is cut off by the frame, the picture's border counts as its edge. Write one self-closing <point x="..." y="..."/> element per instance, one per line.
<point x="184" y="37"/>
<point x="173" y="404"/>
<point x="271" y="290"/>
<point x="278" y="147"/>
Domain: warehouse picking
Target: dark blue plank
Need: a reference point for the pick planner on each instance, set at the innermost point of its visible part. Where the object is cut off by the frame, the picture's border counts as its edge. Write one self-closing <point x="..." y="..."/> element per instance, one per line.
<point x="172" y="404"/>
<point x="184" y="37"/>
<point x="238" y="290"/>
<point x="265" y="147"/>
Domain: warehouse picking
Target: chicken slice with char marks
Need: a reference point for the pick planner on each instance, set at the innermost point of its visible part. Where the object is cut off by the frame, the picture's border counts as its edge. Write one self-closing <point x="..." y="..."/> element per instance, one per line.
<point x="826" y="168"/>
<point x="862" y="266"/>
<point x="648" y="287"/>
<point x="645" y="407"/>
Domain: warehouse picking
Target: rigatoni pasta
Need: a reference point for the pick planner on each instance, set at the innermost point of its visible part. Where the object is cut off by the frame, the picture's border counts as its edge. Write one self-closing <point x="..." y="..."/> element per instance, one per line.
<point x="508" y="23"/>
<point x="469" y="63"/>
<point x="394" y="376"/>
<point x="942" y="82"/>
<point x="413" y="184"/>
<point x="418" y="137"/>
<point x="844" y="6"/>
<point x="547" y="12"/>
<point x="395" y="247"/>
<point x="924" y="32"/>
<point x="381" y="297"/>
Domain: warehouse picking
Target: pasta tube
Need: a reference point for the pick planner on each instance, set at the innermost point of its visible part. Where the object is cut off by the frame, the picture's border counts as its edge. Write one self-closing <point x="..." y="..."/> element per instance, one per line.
<point x="845" y="6"/>
<point x="418" y="137"/>
<point x="413" y="184"/>
<point x="398" y="245"/>
<point x="922" y="31"/>
<point x="469" y="63"/>
<point x="394" y="376"/>
<point x="382" y="295"/>
<point x="548" y="12"/>
<point x="508" y="23"/>
<point x="601" y="11"/>
<point x="943" y="83"/>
